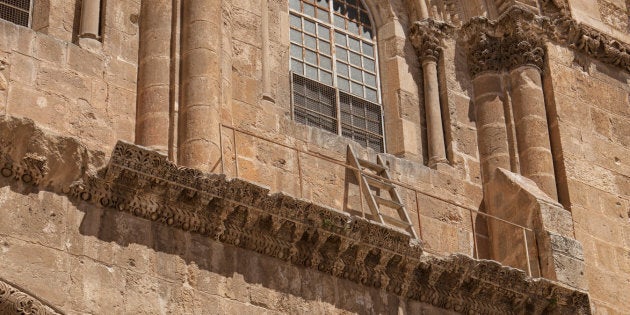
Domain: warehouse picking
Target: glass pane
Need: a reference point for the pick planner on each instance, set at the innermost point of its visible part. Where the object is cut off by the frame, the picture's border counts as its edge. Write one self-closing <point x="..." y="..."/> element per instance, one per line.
<point x="296" y="21"/>
<point x="342" y="54"/>
<point x="368" y="64"/>
<point x="367" y="33"/>
<point x="324" y="47"/>
<point x="370" y="79"/>
<point x="323" y="15"/>
<point x="370" y="94"/>
<point x="311" y="72"/>
<point x="358" y="122"/>
<point x="309" y="10"/>
<point x="323" y="32"/>
<point x="368" y="49"/>
<point x="357" y="89"/>
<point x="296" y="36"/>
<point x="365" y="19"/>
<point x="296" y="51"/>
<point x="325" y="62"/>
<point x="309" y="26"/>
<point x="353" y="14"/>
<point x="325" y="77"/>
<point x="342" y="69"/>
<point x="355" y="59"/>
<point x="354" y="44"/>
<point x="353" y="27"/>
<point x="322" y="3"/>
<point x="310" y="41"/>
<point x="340" y="39"/>
<point x="374" y="126"/>
<point x="340" y="22"/>
<point x="355" y="74"/>
<point x="343" y="84"/>
<point x="297" y="67"/>
<point x="294" y="4"/>
<point x="310" y="57"/>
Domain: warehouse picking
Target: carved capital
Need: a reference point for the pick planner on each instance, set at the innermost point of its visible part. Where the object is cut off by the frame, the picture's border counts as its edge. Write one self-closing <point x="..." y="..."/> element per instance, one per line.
<point x="508" y="43"/>
<point x="427" y="36"/>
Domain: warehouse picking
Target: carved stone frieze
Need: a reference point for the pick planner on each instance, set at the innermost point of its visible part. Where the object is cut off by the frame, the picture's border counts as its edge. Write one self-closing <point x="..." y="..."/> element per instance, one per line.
<point x="144" y="183"/>
<point x="427" y="36"/>
<point x="15" y="301"/>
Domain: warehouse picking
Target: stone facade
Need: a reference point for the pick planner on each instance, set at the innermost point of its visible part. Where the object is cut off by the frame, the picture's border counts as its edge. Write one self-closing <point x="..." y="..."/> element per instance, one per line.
<point x="151" y="163"/>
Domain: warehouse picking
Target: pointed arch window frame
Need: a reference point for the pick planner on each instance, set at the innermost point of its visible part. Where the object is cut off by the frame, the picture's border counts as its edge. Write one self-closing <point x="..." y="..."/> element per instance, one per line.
<point x="334" y="57"/>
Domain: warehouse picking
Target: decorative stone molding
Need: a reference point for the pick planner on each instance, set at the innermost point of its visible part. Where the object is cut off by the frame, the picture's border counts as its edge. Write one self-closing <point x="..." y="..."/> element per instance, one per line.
<point x="504" y="44"/>
<point x="427" y="36"/>
<point x="145" y="184"/>
<point x="518" y="37"/>
<point x="14" y="301"/>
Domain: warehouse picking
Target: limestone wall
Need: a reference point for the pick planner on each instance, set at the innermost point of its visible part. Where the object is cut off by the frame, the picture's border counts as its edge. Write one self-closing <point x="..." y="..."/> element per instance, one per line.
<point x="89" y="94"/>
<point x="593" y="119"/>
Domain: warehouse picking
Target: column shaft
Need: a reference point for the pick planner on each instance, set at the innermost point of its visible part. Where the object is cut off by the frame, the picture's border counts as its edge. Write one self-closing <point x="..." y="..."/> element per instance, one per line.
<point x="154" y="77"/>
<point x="199" y="115"/>
<point x="90" y="19"/>
<point x="532" y="131"/>
<point x="491" y="127"/>
<point x="435" y="128"/>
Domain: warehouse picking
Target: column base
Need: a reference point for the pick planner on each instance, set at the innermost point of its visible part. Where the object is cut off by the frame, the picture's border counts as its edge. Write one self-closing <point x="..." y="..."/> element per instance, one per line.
<point x="90" y="44"/>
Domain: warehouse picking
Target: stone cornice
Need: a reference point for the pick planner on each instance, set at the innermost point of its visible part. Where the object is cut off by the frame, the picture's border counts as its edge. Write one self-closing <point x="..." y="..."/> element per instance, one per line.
<point x="145" y="184"/>
<point x="15" y="301"/>
<point x="427" y="35"/>
<point x="518" y="36"/>
<point x="242" y="214"/>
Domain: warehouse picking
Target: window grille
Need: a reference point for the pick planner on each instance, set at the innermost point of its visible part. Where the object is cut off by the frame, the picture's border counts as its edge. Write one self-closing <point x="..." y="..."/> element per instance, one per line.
<point x="333" y="57"/>
<point x="16" y="11"/>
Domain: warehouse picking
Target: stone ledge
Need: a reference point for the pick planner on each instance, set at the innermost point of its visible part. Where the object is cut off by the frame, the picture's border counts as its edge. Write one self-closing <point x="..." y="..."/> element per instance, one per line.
<point x="144" y="183"/>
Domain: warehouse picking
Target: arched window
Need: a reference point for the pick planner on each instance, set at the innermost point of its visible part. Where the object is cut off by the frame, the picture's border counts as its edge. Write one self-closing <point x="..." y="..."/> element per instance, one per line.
<point x="334" y="69"/>
<point x="16" y="11"/>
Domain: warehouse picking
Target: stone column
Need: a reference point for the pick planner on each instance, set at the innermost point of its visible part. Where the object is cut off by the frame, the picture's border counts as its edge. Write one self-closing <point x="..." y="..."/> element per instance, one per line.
<point x="89" y="29"/>
<point x="199" y="113"/>
<point x="154" y="76"/>
<point x="491" y="126"/>
<point x="532" y="130"/>
<point x="426" y="36"/>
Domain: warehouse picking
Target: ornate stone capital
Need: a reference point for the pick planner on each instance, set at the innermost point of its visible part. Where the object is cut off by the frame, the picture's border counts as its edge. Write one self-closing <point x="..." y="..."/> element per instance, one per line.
<point x="427" y="36"/>
<point x="518" y="37"/>
<point x="505" y="44"/>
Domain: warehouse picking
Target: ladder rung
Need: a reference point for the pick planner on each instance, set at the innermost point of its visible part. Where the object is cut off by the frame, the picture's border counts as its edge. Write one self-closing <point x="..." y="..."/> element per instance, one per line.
<point x="388" y="202"/>
<point x="395" y="220"/>
<point x="373" y="166"/>
<point x="378" y="183"/>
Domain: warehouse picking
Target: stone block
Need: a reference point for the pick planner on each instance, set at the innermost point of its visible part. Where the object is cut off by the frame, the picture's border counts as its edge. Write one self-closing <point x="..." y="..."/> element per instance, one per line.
<point x="50" y="49"/>
<point x="22" y="69"/>
<point x="86" y="62"/>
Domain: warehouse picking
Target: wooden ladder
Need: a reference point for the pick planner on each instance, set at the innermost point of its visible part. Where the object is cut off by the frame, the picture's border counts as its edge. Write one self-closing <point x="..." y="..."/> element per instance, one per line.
<point x="368" y="182"/>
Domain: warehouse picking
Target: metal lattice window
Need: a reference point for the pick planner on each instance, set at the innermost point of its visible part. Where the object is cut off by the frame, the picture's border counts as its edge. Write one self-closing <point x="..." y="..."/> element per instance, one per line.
<point x="333" y="57"/>
<point x="16" y="11"/>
